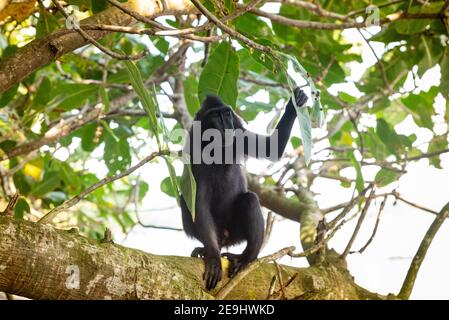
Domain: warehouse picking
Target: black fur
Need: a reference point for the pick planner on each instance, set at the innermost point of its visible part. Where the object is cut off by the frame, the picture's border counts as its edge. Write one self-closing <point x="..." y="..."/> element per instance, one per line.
<point x="226" y="212"/>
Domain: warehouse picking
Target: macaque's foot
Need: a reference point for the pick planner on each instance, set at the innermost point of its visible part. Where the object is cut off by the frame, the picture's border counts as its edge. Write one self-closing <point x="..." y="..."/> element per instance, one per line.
<point x="212" y="273"/>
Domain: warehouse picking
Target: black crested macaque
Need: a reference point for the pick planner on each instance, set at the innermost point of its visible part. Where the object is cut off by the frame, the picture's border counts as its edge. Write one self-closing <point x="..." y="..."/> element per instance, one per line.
<point x="226" y="212"/>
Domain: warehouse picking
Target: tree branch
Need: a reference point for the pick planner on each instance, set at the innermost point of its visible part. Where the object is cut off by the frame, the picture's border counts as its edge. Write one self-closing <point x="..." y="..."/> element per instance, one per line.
<point x="418" y="259"/>
<point x="40" y="262"/>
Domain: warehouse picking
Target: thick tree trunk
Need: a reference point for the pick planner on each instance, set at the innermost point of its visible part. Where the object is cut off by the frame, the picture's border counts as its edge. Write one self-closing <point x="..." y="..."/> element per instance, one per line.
<point x="41" y="262"/>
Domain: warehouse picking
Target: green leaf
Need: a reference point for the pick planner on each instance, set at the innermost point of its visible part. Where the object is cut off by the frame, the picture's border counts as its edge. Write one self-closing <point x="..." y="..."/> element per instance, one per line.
<point x="168" y="188"/>
<point x="421" y="107"/>
<point x="117" y="154"/>
<point x="143" y="189"/>
<point x="295" y="141"/>
<point x="385" y="177"/>
<point x="147" y="101"/>
<point x="72" y="95"/>
<point x="446" y="114"/>
<point x="220" y="75"/>
<point x="104" y="99"/>
<point x="359" y="181"/>
<point x="305" y="127"/>
<point x="444" y="81"/>
<point x="191" y="94"/>
<point x="430" y="50"/>
<point x="160" y="43"/>
<point x="395" y="143"/>
<point x="21" y="208"/>
<point x="43" y="94"/>
<point x="47" y="22"/>
<point x="7" y="96"/>
<point x="99" y="5"/>
<point x="437" y="143"/>
<point x="87" y="134"/>
<point x="347" y="97"/>
<point x="173" y="178"/>
<point x="251" y="109"/>
<point x="49" y="183"/>
<point x="392" y="111"/>
<point x="418" y="26"/>
<point x="305" y="121"/>
<point x="188" y="189"/>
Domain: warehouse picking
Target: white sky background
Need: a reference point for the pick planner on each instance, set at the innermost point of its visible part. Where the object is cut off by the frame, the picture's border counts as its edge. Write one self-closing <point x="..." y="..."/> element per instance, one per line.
<point x="383" y="266"/>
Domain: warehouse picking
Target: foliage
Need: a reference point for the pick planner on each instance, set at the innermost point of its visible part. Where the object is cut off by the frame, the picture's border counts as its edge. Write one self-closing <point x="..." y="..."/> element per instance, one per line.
<point x="123" y="133"/>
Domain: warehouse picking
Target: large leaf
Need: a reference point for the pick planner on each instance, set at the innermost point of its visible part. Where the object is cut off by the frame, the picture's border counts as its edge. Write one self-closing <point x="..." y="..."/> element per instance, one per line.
<point x="438" y="143"/>
<point x="359" y="182"/>
<point x="68" y="96"/>
<point x="21" y="208"/>
<point x="117" y="154"/>
<point x="188" y="189"/>
<point x="173" y="179"/>
<point x="49" y="183"/>
<point x="146" y="99"/>
<point x="220" y="75"/>
<point x="305" y="127"/>
<point x="444" y="67"/>
<point x="191" y="94"/>
<point x="385" y="177"/>
<point x="396" y="143"/>
<point x="305" y="121"/>
<point x="421" y="107"/>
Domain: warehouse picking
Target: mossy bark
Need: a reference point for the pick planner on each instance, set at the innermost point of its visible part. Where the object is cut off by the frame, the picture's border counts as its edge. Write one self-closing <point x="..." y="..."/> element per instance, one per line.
<point x="41" y="262"/>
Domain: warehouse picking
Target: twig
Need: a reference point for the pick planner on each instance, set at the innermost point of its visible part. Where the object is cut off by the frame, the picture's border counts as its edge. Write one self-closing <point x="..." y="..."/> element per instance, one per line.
<point x="359" y="224"/>
<point x="136" y="211"/>
<point x="363" y="10"/>
<point x="268" y="229"/>
<point x="315" y="8"/>
<point x="424" y="155"/>
<point x="281" y="282"/>
<point x="271" y="288"/>
<point x="224" y="291"/>
<point x="94" y="42"/>
<point x="144" y="31"/>
<point x="136" y="15"/>
<point x="412" y="273"/>
<point x="229" y="30"/>
<point x="292" y="278"/>
<point x="398" y="197"/>
<point x="12" y="202"/>
<point x="48" y="217"/>
<point x="307" y="24"/>
<point x="272" y="295"/>
<point x="107" y="237"/>
<point x="245" y="77"/>
<point x="325" y="70"/>
<point x="346" y="207"/>
<point x="379" y="62"/>
<point x="382" y="205"/>
<point x="186" y="31"/>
